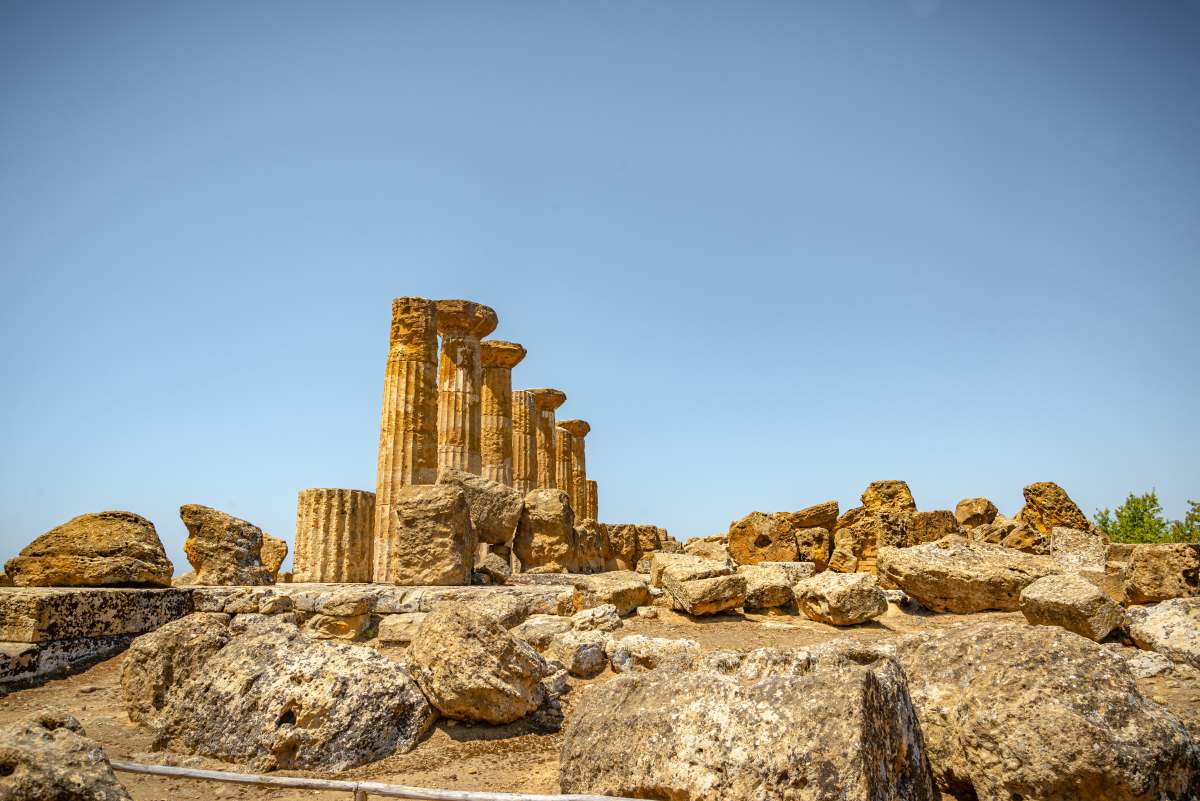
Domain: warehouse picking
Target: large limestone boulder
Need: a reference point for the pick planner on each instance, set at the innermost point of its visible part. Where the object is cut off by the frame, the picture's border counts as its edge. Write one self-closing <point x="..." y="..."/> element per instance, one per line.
<point x="540" y="630"/>
<point x="840" y="599"/>
<point x="94" y="550"/>
<point x="167" y="657"/>
<point x="47" y="756"/>
<point x="638" y="653"/>
<point x="1155" y="572"/>
<point x="623" y="589"/>
<point x="963" y="577"/>
<point x="545" y="537"/>
<point x="859" y="534"/>
<point x="1036" y="712"/>
<point x="889" y="496"/>
<point x="769" y="584"/>
<point x="223" y="549"/>
<point x="623" y="545"/>
<point x="1079" y="551"/>
<point x="661" y="561"/>
<point x="932" y="526"/>
<point x="1047" y="505"/>
<point x="704" y="588"/>
<point x="592" y="539"/>
<point x="760" y="537"/>
<point x="1072" y="602"/>
<point x="272" y="698"/>
<point x="973" y="512"/>
<point x="1171" y="628"/>
<point x="826" y="730"/>
<point x="1027" y="539"/>
<point x="433" y="541"/>
<point x="584" y="654"/>
<point x="712" y="548"/>
<point x="274" y="551"/>
<point x="495" y="509"/>
<point x="471" y="668"/>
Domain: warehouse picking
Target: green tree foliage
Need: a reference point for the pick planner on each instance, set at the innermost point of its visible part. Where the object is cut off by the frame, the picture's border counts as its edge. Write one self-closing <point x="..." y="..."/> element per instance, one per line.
<point x="1140" y="519"/>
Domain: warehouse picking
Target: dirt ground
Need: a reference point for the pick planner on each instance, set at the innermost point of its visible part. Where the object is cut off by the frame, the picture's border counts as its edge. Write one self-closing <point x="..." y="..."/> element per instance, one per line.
<point x="457" y="756"/>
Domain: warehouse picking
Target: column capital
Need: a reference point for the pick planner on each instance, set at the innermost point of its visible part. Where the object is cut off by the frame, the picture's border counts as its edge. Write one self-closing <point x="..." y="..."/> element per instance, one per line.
<point x="547" y="399"/>
<point x="497" y="353"/>
<point x="577" y="428"/>
<point x="465" y="317"/>
<point x="414" y="326"/>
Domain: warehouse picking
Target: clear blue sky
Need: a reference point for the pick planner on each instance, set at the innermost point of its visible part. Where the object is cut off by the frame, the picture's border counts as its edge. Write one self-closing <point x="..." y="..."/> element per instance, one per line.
<point x="771" y="251"/>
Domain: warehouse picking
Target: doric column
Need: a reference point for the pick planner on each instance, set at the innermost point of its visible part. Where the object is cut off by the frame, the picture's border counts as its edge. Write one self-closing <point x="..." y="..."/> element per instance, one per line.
<point x="578" y="490"/>
<point x="334" y="531"/>
<point x="593" y="500"/>
<point x="547" y="400"/>
<point x="496" y="439"/>
<point x="564" y="475"/>
<point x="460" y="375"/>
<point x="408" y="433"/>
<point x="524" y="441"/>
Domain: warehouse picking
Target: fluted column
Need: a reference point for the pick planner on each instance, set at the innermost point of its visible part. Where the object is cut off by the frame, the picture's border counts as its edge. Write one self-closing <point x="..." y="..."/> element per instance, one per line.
<point x="408" y="432"/>
<point x="460" y="376"/>
<point x="578" y="465"/>
<point x="496" y="438"/>
<point x="593" y="500"/>
<point x="524" y="441"/>
<point x="564" y="444"/>
<point x="334" y="532"/>
<point x="546" y="400"/>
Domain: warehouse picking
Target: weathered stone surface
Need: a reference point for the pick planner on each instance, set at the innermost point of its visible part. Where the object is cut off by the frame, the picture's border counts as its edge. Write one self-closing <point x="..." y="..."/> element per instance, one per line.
<point x="994" y="532"/>
<point x="963" y="577"/>
<point x="888" y="496"/>
<point x="172" y="654"/>
<point x="47" y="756"/>
<point x="546" y="531"/>
<point x="1072" y="602"/>
<point x="760" y="537"/>
<point x="768" y="585"/>
<point x="826" y="730"/>
<point x="711" y="548"/>
<point x="705" y="588"/>
<point x="274" y="551"/>
<point x="472" y="668"/>
<point x="972" y="512"/>
<point x="821" y="515"/>
<point x="577" y="464"/>
<point x="1028" y="540"/>
<point x="583" y="653"/>
<point x="564" y="477"/>
<point x="1171" y="628"/>
<point x="604" y="617"/>
<point x="498" y="359"/>
<point x="1047" y="505"/>
<point x="26" y="664"/>
<point x="334" y="535"/>
<point x="431" y="540"/>
<point x="623" y="589"/>
<point x="400" y="629"/>
<point x="840" y="599"/>
<point x="593" y="499"/>
<point x="273" y="698"/>
<point x="860" y="533"/>
<point x="524" y="442"/>
<point x="660" y="561"/>
<point x="539" y="630"/>
<point x="223" y="549"/>
<point x="1076" y="550"/>
<point x="337" y="627"/>
<point x="592" y="545"/>
<point x="495" y="508"/>
<point x="623" y="542"/>
<point x="42" y="614"/>
<point x="649" y="538"/>
<point x="930" y="526"/>
<point x="1158" y="572"/>
<point x="494" y="568"/>
<point x="546" y="400"/>
<point x="1036" y="712"/>
<point x="640" y="653"/>
<point x="461" y="324"/>
<point x="94" y="550"/>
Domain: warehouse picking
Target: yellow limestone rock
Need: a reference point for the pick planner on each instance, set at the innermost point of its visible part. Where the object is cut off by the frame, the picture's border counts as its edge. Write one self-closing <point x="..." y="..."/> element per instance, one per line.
<point x="408" y="451"/>
<point x="460" y="376"/>
<point x="524" y="441"/>
<point x="564" y="443"/>
<point x="1047" y="505"/>
<point x="273" y="552"/>
<point x="94" y="550"/>
<point x="546" y="400"/>
<point x="334" y="535"/>
<point x="578" y="465"/>
<point x="593" y="500"/>
<point x="496" y="396"/>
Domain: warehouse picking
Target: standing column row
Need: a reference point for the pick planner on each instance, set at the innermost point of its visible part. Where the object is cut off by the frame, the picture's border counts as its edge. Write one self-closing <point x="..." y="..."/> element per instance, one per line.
<point x="496" y="408"/>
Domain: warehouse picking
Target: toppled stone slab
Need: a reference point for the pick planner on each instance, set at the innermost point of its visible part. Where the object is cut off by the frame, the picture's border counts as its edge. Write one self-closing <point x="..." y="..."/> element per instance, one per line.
<point x="840" y="599"/>
<point x="860" y="532"/>
<point x="835" y="730"/>
<point x="1171" y="628"/>
<point x="712" y="549"/>
<point x="495" y="509"/>
<point x="94" y="550"/>
<point x="963" y="577"/>
<point x="889" y="496"/>
<point x="1072" y="602"/>
<point x="1038" y="712"/>
<point x="400" y="629"/>
<point x="1047" y="505"/>
<point x="545" y="538"/>
<point x="640" y="653"/>
<point x="661" y="561"/>
<point x="768" y="585"/>
<point x="604" y="617"/>
<point x="1079" y="551"/>
<point x="931" y="526"/>
<point x="49" y="757"/>
<point x="158" y="661"/>
<point x="623" y="589"/>
<point x="42" y="614"/>
<point x="973" y="512"/>
<point x="704" y="588"/>
<point x="273" y="698"/>
<point x="582" y="653"/>
<point x="223" y="549"/>
<point x="273" y="552"/>
<point x="430" y="541"/>
<point x="539" y="630"/>
<point x="1154" y="572"/>
<point x="26" y="664"/>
